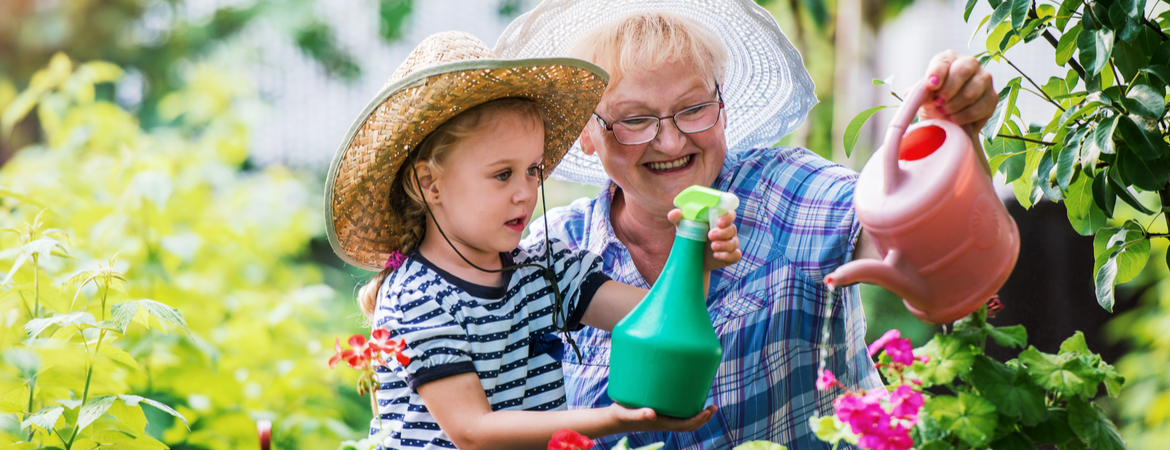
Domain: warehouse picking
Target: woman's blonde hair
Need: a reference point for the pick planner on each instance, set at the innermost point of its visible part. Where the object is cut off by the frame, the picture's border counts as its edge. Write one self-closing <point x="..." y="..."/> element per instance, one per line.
<point x="433" y="152"/>
<point x="649" y="40"/>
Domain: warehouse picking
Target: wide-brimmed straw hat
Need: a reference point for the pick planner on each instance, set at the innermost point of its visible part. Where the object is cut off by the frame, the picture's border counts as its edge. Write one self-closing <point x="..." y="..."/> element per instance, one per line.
<point x="446" y="74"/>
<point x="766" y="90"/>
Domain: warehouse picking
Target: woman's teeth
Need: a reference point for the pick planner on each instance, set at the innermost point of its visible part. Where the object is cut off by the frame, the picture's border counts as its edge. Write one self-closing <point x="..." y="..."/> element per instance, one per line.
<point x="670" y="164"/>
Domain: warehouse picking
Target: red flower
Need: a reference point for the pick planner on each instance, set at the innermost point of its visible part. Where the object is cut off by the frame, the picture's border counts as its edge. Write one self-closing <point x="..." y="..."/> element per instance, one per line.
<point x="351" y="357"/>
<point x="380" y="342"/>
<point x="567" y="439"/>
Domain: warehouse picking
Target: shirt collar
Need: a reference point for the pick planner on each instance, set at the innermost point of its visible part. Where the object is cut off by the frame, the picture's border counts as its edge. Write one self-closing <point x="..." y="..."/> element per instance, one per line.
<point x="601" y="234"/>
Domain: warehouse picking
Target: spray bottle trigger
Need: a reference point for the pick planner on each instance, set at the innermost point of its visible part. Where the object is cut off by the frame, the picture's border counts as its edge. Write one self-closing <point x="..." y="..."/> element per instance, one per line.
<point x="727" y="202"/>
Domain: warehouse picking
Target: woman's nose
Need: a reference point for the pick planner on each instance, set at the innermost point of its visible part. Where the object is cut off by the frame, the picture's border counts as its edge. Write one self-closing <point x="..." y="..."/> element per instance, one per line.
<point x="669" y="139"/>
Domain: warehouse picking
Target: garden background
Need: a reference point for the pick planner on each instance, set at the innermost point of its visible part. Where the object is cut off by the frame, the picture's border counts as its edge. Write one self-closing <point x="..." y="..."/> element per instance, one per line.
<point x="171" y="153"/>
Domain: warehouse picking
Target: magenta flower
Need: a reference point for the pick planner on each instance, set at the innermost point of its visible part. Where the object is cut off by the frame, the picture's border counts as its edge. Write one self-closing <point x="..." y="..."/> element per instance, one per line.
<point x="900" y="351"/>
<point x="825" y="380"/>
<point x="882" y="341"/>
<point x="906" y="403"/>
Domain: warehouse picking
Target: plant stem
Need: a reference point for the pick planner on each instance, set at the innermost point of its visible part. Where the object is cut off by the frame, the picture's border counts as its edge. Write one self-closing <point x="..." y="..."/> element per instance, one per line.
<point x="32" y="389"/>
<point x="1164" y="196"/>
<point x="1155" y="27"/>
<point x="1019" y="138"/>
<point x="36" y="288"/>
<point x="1026" y="77"/>
<point x="1055" y="44"/>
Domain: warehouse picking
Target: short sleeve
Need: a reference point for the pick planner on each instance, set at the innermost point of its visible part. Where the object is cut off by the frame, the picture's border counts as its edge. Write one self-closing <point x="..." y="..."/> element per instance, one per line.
<point x="435" y="341"/>
<point x="579" y="276"/>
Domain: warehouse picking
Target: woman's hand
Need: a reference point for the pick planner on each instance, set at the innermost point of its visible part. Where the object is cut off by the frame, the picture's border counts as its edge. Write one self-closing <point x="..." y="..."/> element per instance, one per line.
<point x="963" y="91"/>
<point x="724" y="248"/>
<point x="645" y="419"/>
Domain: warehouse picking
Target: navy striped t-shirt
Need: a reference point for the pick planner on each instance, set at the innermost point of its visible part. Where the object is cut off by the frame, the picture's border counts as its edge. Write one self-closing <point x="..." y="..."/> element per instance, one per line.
<point x="503" y="333"/>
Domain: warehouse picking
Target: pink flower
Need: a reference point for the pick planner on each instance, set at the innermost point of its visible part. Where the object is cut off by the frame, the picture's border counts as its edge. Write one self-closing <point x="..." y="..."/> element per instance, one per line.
<point x="900" y="351"/>
<point x="826" y="380"/>
<point x="906" y="403"/>
<point x="862" y="413"/>
<point x="882" y="341"/>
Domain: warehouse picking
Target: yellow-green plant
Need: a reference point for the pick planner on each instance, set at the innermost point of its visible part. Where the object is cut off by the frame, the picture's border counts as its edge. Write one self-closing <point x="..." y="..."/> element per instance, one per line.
<point x="193" y="230"/>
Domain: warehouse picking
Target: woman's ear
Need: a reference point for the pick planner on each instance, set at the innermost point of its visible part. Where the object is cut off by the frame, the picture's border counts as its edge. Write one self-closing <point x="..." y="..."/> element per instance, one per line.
<point x="586" y="142"/>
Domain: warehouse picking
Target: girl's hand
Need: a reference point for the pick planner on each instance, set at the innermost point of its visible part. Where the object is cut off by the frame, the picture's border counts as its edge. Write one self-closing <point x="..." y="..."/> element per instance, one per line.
<point x="724" y="248"/>
<point x="645" y="419"/>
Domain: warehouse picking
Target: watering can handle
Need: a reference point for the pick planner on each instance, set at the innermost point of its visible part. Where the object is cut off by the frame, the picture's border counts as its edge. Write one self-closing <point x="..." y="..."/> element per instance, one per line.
<point x="897" y="128"/>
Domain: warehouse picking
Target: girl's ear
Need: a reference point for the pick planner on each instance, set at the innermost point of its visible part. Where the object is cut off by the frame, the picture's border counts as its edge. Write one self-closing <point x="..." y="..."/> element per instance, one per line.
<point x="428" y="182"/>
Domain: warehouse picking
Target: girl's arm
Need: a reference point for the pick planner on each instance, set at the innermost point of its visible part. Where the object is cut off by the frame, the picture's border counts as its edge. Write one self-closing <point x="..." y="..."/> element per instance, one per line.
<point x="614" y="300"/>
<point x="460" y="406"/>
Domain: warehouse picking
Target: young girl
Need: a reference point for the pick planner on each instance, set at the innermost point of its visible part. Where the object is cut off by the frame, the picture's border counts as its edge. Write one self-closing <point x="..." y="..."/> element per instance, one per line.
<point x="439" y="179"/>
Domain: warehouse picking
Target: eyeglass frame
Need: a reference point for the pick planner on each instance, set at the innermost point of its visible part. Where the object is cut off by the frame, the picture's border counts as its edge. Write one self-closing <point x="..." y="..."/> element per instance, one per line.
<point x="718" y="100"/>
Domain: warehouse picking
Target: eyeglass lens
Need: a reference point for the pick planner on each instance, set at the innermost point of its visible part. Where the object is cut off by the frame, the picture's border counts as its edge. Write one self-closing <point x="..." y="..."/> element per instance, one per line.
<point x="642" y="129"/>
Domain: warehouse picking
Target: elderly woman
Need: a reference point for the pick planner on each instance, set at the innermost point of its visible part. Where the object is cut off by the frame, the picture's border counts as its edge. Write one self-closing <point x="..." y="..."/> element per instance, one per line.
<point x="699" y="91"/>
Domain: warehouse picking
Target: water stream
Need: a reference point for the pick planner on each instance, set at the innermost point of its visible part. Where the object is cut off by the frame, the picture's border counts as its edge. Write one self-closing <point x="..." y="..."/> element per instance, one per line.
<point x="826" y="328"/>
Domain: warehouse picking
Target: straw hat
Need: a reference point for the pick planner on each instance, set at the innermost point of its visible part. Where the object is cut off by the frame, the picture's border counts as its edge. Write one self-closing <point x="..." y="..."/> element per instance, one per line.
<point x="446" y="74"/>
<point x="766" y="90"/>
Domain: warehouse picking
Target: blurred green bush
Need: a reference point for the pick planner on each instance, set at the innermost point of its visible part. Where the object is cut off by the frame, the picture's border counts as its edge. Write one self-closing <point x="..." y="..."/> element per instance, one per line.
<point x="190" y="228"/>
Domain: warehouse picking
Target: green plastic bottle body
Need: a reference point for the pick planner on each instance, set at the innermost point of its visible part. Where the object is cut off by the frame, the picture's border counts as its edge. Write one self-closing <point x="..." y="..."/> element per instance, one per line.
<point x="664" y="354"/>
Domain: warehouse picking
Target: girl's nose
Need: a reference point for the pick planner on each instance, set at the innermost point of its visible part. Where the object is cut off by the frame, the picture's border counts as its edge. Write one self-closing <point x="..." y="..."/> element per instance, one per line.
<point x="669" y="140"/>
<point x="525" y="193"/>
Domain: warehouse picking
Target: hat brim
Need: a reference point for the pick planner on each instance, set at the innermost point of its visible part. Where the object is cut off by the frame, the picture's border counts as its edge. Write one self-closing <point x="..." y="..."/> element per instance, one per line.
<point x="360" y="223"/>
<point x="766" y="89"/>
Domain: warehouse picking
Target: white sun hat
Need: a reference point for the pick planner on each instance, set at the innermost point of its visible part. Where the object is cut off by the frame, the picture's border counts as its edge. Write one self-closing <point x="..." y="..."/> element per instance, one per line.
<point x="766" y="89"/>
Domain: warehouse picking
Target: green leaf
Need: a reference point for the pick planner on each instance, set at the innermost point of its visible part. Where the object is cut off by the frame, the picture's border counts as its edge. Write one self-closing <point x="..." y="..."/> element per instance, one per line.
<point x="854" y="128"/>
<point x="1053" y="431"/>
<point x="1067" y="162"/>
<point x="1007" y="101"/>
<point x="1001" y="12"/>
<point x="1103" y="135"/>
<point x="1095" y="48"/>
<point x="93" y="409"/>
<point x="830" y="429"/>
<point x="1144" y="101"/>
<point x="1091" y="424"/>
<point x="949" y="357"/>
<point x="1103" y="195"/>
<point x="124" y="313"/>
<point x="1104" y="279"/>
<point x="1162" y="72"/>
<point x="1143" y="174"/>
<point x="1113" y="380"/>
<point x="1124" y="194"/>
<point x="1067" y="375"/>
<point x="1067" y="7"/>
<point x="970" y="417"/>
<point x="1010" y="390"/>
<point x="1075" y="344"/>
<point x="77" y="319"/>
<point x="46" y="419"/>
<point x="133" y="400"/>
<point x="131" y="416"/>
<point x="966" y="15"/>
<point x="1134" y="254"/>
<point x="164" y="313"/>
<point x="1014" y="336"/>
<point x="1143" y="136"/>
<point x="1013" y="441"/>
<point x="1019" y="12"/>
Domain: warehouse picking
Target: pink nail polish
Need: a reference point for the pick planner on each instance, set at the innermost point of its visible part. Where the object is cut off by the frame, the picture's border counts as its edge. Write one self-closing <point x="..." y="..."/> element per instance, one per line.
<point x="938" y="101"/>
<point x="933" y="80"/>
<point x="940" y="109"/>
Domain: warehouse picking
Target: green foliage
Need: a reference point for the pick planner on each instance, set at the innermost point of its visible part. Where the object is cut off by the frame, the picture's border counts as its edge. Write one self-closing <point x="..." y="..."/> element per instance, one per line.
<point x="186" y="241"/>
<point x="1107" y="140"/>
<point x="1035" y="399"/>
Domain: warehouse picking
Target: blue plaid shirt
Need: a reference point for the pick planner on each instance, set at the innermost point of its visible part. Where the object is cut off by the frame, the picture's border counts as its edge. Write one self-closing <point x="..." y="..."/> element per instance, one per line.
<point x="796" y="224"/>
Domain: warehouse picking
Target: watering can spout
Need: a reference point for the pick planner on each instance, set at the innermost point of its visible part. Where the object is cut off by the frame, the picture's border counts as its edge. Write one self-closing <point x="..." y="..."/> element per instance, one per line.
<point x="883" y="273"/>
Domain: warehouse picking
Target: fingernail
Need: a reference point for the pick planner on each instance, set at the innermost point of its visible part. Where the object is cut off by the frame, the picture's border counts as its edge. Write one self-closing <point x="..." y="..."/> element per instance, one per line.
<point x="933" y="80"/>
<point x="939" y="101"/>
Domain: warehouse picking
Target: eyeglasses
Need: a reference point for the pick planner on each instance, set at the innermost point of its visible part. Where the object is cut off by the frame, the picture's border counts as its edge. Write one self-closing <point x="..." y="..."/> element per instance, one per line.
<point x="642" y="129"/>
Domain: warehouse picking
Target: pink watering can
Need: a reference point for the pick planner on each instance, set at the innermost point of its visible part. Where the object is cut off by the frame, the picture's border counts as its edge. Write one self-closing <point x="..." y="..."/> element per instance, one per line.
<point x="926" y="199"/>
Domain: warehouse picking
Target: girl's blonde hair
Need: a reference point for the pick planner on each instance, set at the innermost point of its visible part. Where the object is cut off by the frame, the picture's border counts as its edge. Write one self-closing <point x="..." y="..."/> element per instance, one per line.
<point x="433" y="152"/>
<point x="649" y="40"/>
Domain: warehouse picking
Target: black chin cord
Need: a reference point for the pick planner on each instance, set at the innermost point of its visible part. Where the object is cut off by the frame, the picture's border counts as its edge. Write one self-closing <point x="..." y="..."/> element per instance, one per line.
<point x="560" y="322"/>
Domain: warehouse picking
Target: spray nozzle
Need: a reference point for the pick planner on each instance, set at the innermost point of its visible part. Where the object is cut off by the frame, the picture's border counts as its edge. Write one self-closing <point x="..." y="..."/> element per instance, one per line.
<point x="696" y="200"/>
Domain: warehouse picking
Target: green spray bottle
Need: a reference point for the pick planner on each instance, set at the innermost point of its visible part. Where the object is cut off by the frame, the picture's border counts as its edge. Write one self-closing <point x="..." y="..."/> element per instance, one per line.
<point x="665" y="352"/>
